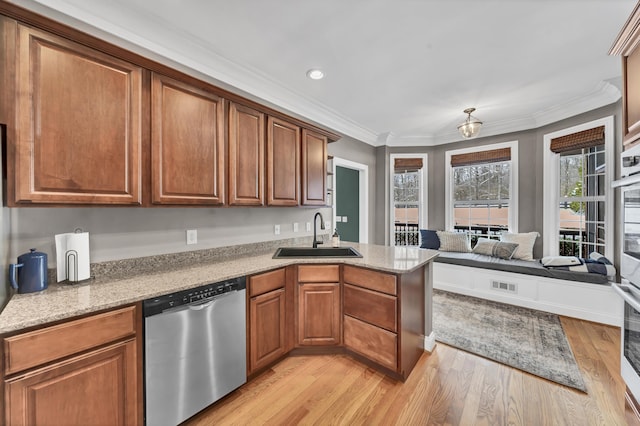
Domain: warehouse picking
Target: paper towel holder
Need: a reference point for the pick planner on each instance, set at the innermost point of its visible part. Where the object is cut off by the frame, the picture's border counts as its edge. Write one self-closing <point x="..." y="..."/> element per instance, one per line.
<point x="72" y="256"/>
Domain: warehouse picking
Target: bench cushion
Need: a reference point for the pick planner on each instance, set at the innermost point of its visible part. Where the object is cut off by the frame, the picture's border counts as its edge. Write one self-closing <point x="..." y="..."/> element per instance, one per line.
<point x="527" y="267"/>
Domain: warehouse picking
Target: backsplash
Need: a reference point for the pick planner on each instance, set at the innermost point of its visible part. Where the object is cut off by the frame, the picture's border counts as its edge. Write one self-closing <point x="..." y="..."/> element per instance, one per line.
<point x="126" y="233"/>
<point x="124" y="268"/>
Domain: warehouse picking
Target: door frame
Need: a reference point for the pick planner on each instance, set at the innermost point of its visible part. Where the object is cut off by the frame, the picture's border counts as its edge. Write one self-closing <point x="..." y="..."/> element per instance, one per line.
<point x="423" y="218"/>
<point x="363" y="178"/>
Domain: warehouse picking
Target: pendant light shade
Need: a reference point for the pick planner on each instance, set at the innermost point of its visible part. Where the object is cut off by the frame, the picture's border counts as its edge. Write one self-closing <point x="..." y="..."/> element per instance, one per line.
<point x="471" y="126"/>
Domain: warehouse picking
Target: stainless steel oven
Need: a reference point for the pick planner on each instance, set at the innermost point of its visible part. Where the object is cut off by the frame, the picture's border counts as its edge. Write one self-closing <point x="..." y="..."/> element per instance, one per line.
<point x="629" y="289"/>
<point x="630" y="337"/>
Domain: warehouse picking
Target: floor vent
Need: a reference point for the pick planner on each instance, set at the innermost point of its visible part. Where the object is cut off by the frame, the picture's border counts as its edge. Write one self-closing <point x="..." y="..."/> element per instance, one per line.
<point x="498" y="285"/>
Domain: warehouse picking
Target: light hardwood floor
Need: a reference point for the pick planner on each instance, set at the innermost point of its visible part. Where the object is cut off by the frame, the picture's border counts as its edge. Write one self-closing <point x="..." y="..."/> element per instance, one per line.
<point x="447" y="387"/>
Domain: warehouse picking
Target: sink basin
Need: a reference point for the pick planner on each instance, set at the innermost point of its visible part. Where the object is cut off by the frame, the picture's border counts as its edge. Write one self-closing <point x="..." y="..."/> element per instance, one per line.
<point x="287" y="252"/>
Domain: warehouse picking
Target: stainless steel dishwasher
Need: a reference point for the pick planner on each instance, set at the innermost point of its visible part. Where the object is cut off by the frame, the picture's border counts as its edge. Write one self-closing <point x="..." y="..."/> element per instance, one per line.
<point x="195" y="349"/>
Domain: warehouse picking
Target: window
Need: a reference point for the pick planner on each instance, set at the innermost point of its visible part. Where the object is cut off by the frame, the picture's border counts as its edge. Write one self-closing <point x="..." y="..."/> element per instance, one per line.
<point x="582" y="197"/>
<point x="480" y="187"/>
<point x="578" y="203"/>
<point x="408" y="182"/>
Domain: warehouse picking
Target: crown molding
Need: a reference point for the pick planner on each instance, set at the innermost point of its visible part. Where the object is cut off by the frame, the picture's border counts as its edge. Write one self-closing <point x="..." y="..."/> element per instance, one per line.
<point x="191" y="56"/>
<point x="605" y="93"/>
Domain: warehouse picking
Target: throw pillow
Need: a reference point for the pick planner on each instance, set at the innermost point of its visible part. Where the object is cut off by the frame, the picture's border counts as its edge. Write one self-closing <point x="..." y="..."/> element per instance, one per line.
<point x="495" y="248"/>
<point x="429" y="239"/>
<point x="597" y="257"/>
<point x="525" y="243"/>
<point x="560" y="261"/>
<point x="454" y="241"/>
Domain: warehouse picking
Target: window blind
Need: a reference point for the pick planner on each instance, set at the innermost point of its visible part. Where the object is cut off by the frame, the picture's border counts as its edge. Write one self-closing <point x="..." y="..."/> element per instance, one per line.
<point x="407" y="164"/>
<point x="585" y="139"/>
<point x="479" y="157"/>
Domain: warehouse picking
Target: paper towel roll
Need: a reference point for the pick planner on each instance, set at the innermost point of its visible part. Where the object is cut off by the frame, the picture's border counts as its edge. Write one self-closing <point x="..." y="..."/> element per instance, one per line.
<point x="72" y="256"/>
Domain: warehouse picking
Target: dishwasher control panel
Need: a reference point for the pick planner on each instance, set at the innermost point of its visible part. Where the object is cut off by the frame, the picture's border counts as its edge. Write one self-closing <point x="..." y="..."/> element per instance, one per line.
<point x="192" y="296"/>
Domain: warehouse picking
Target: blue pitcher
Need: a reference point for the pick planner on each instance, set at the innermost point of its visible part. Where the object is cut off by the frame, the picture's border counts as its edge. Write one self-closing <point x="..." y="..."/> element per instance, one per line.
<point x="31" y="270"/>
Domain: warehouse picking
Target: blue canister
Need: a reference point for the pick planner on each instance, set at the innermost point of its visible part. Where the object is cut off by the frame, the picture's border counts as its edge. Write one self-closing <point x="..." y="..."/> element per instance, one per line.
<point x="31" y="270"/>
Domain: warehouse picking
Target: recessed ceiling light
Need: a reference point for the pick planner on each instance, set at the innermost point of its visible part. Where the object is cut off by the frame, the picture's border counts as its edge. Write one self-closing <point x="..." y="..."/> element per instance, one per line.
<point x="315" y="74"/>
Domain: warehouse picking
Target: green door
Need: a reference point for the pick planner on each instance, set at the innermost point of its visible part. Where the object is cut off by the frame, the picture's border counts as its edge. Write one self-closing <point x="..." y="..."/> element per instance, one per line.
<point x="348" y="204"/>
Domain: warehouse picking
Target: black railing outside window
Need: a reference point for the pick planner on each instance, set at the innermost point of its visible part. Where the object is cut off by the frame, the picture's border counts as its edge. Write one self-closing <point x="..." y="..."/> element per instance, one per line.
<point x="407" y="234"/>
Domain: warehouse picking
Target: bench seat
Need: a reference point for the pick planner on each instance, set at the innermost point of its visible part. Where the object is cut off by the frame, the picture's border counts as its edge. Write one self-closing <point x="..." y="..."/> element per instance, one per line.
<point x="528" y="284"/>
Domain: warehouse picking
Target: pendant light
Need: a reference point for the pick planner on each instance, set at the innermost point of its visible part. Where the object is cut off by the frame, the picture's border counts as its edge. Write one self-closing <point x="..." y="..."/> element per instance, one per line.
<point x="471" y="126"/>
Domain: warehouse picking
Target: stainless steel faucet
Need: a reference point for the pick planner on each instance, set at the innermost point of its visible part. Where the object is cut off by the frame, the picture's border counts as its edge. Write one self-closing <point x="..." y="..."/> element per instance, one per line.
<point x="315" y="233"/>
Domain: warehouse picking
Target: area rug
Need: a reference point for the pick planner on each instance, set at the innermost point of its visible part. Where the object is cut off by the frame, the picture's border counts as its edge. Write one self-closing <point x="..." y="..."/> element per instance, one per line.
<point x="526" y="339"/>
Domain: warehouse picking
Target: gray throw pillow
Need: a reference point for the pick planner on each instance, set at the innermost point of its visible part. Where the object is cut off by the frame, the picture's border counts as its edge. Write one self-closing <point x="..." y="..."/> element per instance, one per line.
<point x="495" y="248"/>
<point x="454" y="241"/>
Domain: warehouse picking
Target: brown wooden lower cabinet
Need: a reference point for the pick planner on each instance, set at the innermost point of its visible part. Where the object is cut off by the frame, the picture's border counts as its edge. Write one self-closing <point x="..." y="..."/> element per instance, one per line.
<point x="93" y="388"/>
<point x="80" y="372"/>
<point x="266" y="329"/>
<point x="319" y="314"/>
<point x="373" y="342"/>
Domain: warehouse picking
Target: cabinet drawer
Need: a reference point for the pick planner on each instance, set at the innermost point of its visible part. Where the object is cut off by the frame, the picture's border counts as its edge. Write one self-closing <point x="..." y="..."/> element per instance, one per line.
<point x="370" y="306"/>
<point x="372" y="280"/>
<point x="264" y="283"/>
<point x="373" y="342"/>
<point x="38" y="347"/>
<point x="319" y="273"/>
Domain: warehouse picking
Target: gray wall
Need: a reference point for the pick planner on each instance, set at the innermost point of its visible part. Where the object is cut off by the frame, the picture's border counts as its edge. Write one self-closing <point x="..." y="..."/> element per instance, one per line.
<point x="530" y="164"/>
<point x="128" y="232"/>
<point x="360" y="152"/>
<point x="117" y="233"/>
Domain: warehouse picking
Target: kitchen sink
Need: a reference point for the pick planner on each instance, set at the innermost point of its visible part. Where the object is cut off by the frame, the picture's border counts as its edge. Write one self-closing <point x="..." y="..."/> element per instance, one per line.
<point x="286" y="252"/>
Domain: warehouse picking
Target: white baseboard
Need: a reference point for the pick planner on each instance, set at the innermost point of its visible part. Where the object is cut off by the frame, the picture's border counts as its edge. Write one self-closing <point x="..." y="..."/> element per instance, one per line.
<point x="591" y="302"/>
<point x="430" y="342"/>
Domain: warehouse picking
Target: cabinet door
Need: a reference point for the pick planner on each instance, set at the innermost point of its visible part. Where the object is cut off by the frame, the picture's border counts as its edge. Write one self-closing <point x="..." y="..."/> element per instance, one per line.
<point x="319" y="314"/>
<point x="283" y="163"/>
<point x="631" y="97"/>
<point x="314" y="168"/>
<point x="266" y="328"/>
<point x="95" y="388"/>
<point x="79" y="128"/>
<point x="187" y="144"/>
<point x="246" y="156"/>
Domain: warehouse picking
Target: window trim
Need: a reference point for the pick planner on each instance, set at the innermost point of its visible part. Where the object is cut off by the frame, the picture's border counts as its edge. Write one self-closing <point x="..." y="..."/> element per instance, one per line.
<point x="551" y="199"/>
<point x="424" y="194"/>
<point x="513" y="184"/>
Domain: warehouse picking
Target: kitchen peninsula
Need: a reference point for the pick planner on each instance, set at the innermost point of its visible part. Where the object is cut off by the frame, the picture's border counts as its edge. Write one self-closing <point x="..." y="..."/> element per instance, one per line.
<point x="383" y="317"/>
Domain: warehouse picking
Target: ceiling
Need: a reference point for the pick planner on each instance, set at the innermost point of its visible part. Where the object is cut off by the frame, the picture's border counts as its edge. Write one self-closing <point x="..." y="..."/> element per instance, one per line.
<point x="397" y="72"/>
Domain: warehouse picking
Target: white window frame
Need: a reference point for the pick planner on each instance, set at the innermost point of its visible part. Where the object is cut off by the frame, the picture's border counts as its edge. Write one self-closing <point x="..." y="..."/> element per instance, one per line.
<point x="513" y="183"/>
<point x="424" y="207"/>
<point x="551" y="214"/>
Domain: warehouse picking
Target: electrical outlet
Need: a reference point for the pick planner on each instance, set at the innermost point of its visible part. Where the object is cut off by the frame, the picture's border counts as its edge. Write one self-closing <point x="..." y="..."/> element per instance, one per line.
<point x="295" y="227"/>
<point x="327" y="224"/>
<point x="276" y="229"/>
<point x="192" y="236"/>
<point x="308" y="226"/>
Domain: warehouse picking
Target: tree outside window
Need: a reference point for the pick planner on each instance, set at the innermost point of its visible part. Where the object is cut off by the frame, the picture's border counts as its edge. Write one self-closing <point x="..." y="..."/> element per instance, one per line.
<point x="481" y="196"/>
<point x="582" y="202"/>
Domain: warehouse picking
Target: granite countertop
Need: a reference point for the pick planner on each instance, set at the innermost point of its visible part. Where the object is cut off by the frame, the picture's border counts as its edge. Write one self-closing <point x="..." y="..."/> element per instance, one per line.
<point x="62" y="301"/>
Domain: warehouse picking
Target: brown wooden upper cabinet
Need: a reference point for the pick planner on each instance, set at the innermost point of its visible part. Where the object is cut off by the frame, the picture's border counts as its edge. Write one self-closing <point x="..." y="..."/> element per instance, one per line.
<point x="78" y="130"/>
<point x="246" y="156"/>
<point x="314" y="168"/>
<point x="283" y="163"/>
<point x="627" y="45"/>
<point x="187" y="144"/>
